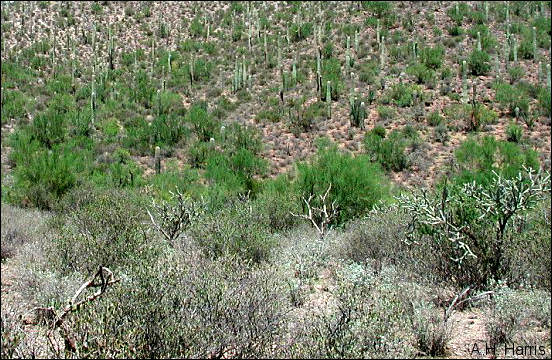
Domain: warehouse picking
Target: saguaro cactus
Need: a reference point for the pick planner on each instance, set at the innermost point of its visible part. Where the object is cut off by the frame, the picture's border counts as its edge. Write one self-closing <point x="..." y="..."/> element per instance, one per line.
<point x="378" y="31"/>
<point x="507" y="52"/>
<point x="534" y="44"/>
<point x="329" y="99"/>
<point x="478" y="41"/>
<point x="515" y="51"/>
<point x="464" y="82"/>
<point x="265" y="49"/>
<point x="318" y="75"/>
<point x="507" y="12"/>
<point x="548" y="76"/>
<point x="357" y="113"/>
<point x="157" y="160"/>
<point x="382" y="52"/>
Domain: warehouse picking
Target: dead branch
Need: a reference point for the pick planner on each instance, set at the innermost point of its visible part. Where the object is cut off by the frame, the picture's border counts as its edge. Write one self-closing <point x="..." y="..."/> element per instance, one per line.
<point x="320" y="217"/>
<point x="102" y="279"/>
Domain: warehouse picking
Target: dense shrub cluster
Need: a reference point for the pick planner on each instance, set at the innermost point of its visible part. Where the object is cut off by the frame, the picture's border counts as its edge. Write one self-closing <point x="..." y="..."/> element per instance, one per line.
<point x="357" y="184"/>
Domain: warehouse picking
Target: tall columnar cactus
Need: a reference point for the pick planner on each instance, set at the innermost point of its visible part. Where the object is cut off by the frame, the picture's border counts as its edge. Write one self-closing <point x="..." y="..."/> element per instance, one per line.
<point x="507" y="12"/>
<point x="348" y="56"/>
<point x="464" y="82"/>
<point x="497" y="65"/>
<point x="73" y="67"/>
<point x="265" y="49"/>
<point x="548" y="76"/>
<point x="329" y="99"/>
<point x="152" y="54"/>
<point x="486" y="6"/>
<point x="357" y="113"/>
<point x="507" y="52"/>
<point x="515" y="51"/>
<point x="157" y="160"/>
<point x="478" y="41"/>
<point x="294" y="72"/>
<point x="249" y="35"/>
<point x="378" y="31"/>
<point x="111" y="50"/>
<point x="244" y="71"/>
<point x="279" y="54"/>
<point x="192" y="75"/>
<point x="382" y="52"/>
<point x="534" y="44"/>
<point x="356" y="42"/>
<point x="318" y="75"/>
<point x="93" y="98"/>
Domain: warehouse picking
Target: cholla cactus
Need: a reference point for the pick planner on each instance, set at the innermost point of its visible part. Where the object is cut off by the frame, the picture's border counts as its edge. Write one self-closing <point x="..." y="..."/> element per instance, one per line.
<point x="494" y="207"/>
<point x="172" y="218"/>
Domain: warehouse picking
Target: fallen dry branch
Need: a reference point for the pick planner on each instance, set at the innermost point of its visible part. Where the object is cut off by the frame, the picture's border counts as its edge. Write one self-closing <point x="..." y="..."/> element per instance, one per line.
<point x="102" y="279"/>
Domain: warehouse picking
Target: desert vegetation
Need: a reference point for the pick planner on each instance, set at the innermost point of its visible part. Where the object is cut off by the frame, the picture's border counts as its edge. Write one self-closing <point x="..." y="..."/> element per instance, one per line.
<point x="275" y="179"/>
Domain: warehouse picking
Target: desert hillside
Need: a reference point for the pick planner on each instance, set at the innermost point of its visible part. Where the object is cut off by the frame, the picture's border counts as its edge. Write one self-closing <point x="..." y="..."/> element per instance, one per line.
<point x="276" y="179"/>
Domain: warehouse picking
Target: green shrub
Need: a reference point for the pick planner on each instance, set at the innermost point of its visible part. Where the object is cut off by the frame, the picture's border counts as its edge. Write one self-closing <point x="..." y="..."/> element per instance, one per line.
<point x="478" y="63"/>
<point x="199" y="152"/>
<point x="386" y="112"/>
<point x="213" y="305"/>
<point x="357" y="184"/>
<point x="514" y="133"/>
<point x="268" y="115"/>
<point x="331" y="71"/>
<point x="327" y="50"/>
<point x="44" y="178"/>
<point x="440" y="133"/>
<point x="369" y="72"/>
<point x="512" y="310"/>
<point x="432" y="58"/>
<point x="235" y="171"/>
<point x="388" y="152"/>
<point x="516" y="73"/>
<point x="404" y="95"/>
<point x="300" y="32"/>
<point x="14" y="105"/>
<point x="166" y="130"/>
<point x="123" y="171"/>
<point x="477" y="159"/>
<point x="274" y="204"/>
<point x="511" y="97"/>
<point x="234" y="230"/>
<point x="202" y="122"/>
<point x="103" y="227"/>
<point x="435" y="119"/>
<point x="455" y="30"/>
<point x="236" y="137"/>
<point x="544" y="101"/>
<point x="422" y="73"/>
<point x="196" y="27"/>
